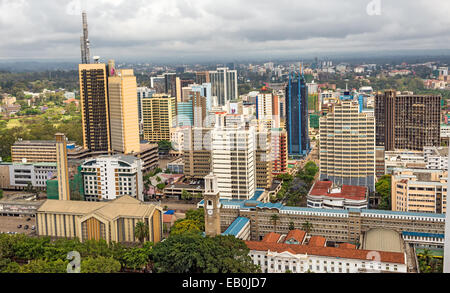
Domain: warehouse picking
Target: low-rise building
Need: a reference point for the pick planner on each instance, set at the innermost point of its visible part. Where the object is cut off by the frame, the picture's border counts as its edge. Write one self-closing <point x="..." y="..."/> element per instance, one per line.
<point x="111" y="221"/>
<point x="325" y="195"/>
<point x="297" y="253"/>
<point x="24" y="175"/>
<point x="417" y="190"/>
<point x="436" y="158"/>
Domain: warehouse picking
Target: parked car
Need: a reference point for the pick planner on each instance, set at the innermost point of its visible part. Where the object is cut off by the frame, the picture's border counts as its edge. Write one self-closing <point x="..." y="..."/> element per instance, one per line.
<point x="29" y="219"/>
<point x="33" y="227"/>
<point x="19" y="226"/>
<point x="26" y="227"/>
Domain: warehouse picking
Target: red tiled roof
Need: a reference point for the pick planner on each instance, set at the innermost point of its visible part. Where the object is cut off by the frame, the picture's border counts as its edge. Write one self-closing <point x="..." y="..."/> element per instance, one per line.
<point x="347" y="245"/>
<point x="271" y="237"/>
<point x="167" y="218"/>
<point x="298" y="235"/>
<point x="321" y="188"/>
<point x="388" y="257"/>
<point x="317" y="241"/>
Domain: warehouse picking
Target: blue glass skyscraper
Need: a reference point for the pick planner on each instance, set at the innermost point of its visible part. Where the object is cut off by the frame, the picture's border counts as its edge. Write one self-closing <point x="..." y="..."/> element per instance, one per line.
<point x="297" y="115"/>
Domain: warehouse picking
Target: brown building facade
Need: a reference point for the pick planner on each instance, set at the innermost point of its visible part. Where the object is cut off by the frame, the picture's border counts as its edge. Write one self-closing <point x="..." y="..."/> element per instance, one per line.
<point x="407" y="121"/>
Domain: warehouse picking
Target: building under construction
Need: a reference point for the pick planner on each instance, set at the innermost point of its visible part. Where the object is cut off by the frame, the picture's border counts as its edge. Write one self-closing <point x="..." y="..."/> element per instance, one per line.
<point x="407" y="121"/>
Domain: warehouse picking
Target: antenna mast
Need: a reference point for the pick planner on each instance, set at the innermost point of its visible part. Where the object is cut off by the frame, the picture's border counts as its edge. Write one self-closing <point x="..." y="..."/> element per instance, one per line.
<point x="85" y="45"/>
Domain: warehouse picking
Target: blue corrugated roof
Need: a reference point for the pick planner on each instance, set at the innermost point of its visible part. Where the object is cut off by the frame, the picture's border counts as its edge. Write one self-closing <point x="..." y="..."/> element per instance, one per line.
<point x="257" y="194"/>
<point x="170" y="212"/>
<point x="419" y="234"/>
<point x="270" y="205"/>
<point x="236" y="226"/>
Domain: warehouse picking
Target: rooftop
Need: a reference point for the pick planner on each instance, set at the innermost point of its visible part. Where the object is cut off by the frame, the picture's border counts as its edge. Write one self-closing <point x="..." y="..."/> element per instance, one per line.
<point x="124" y="206"/>
<point x="271" y="237"/>
<point x="325" y="188"/>
<point x="338" y="252"/>
<point x="317" y="241"/>
<point x="236" y="226"/>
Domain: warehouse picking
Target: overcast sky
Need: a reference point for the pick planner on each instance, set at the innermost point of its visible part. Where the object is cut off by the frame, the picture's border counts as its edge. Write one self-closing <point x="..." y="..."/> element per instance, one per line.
<point x="195" y="29"/>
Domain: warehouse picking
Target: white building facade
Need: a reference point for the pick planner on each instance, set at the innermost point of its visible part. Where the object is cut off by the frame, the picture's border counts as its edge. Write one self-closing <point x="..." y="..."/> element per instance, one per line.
<point x="109" y="177"/>
<point x="233" y="161"/>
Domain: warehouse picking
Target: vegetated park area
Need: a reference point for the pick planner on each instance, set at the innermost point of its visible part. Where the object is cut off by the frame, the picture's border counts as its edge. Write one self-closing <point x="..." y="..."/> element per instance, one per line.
<point x="54" y="118"/>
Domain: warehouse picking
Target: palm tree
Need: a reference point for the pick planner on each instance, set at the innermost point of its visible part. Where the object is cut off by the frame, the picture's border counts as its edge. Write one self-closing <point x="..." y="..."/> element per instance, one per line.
<point x="291" y="226"/>
<point x="274" y="218"/>
<point x="141" y="231"/>
<point x="307" y="226"/>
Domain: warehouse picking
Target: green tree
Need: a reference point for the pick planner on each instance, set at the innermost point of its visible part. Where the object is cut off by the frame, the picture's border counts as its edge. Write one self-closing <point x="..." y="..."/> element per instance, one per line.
<point x="197" y="215"/>
<point x="307" y="226"/>
<point x="383" y="188"/>
<point x="185" y="226"/>
<point x="161" y="186"/>
<point x="193" y="253"/>
<point x="274" y="218"/>
<point x="291" y="226"/>
<point x="185" y="195"/>
<point x="100" y="265"/>
<point x="138" y="258"/>
<point x="1" y="193"/>
<point x="40" y="266"/>
<point x="141" y="231"/>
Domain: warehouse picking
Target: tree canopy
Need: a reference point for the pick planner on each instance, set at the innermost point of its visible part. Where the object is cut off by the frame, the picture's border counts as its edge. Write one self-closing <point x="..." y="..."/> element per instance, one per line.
<point x="193" y="253"/>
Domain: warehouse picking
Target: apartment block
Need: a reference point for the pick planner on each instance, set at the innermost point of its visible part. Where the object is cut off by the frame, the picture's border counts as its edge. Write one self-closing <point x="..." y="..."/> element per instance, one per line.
<point x="109" y="177"/>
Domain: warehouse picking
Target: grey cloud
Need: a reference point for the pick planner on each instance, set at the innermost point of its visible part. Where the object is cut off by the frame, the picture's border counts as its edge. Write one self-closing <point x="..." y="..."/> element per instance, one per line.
<point x="209" y="28"/>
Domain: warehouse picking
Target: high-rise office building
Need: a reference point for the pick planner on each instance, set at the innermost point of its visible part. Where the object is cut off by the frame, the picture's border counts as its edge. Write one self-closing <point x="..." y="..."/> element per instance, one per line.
<point x="279" y="150"/>
<point x="263" y="163"/>
<point x="297" y="115"/>
<point x="185" y="114"/>
<point x="170" y="84"/>
<point x="62" y="167"/>
<point x="202" y="77"/>
<point x="142" y="93"/>
<point x="407" y="121"/>
<point x="233" y="161"/>
<point x="123" y="112"/>
<point x="205" y="91"/>
<point x="347" y="146"/>
<point x="94" y="107"/>
<point x="224" y="85"/>
<point x="197" y="152"/>
<point x="158" y="115"/>
<point x="192" y="111"/>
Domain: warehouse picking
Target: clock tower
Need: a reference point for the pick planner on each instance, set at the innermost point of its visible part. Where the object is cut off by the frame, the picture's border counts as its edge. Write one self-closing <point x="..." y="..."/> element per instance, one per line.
<point x="212" y="206"/>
